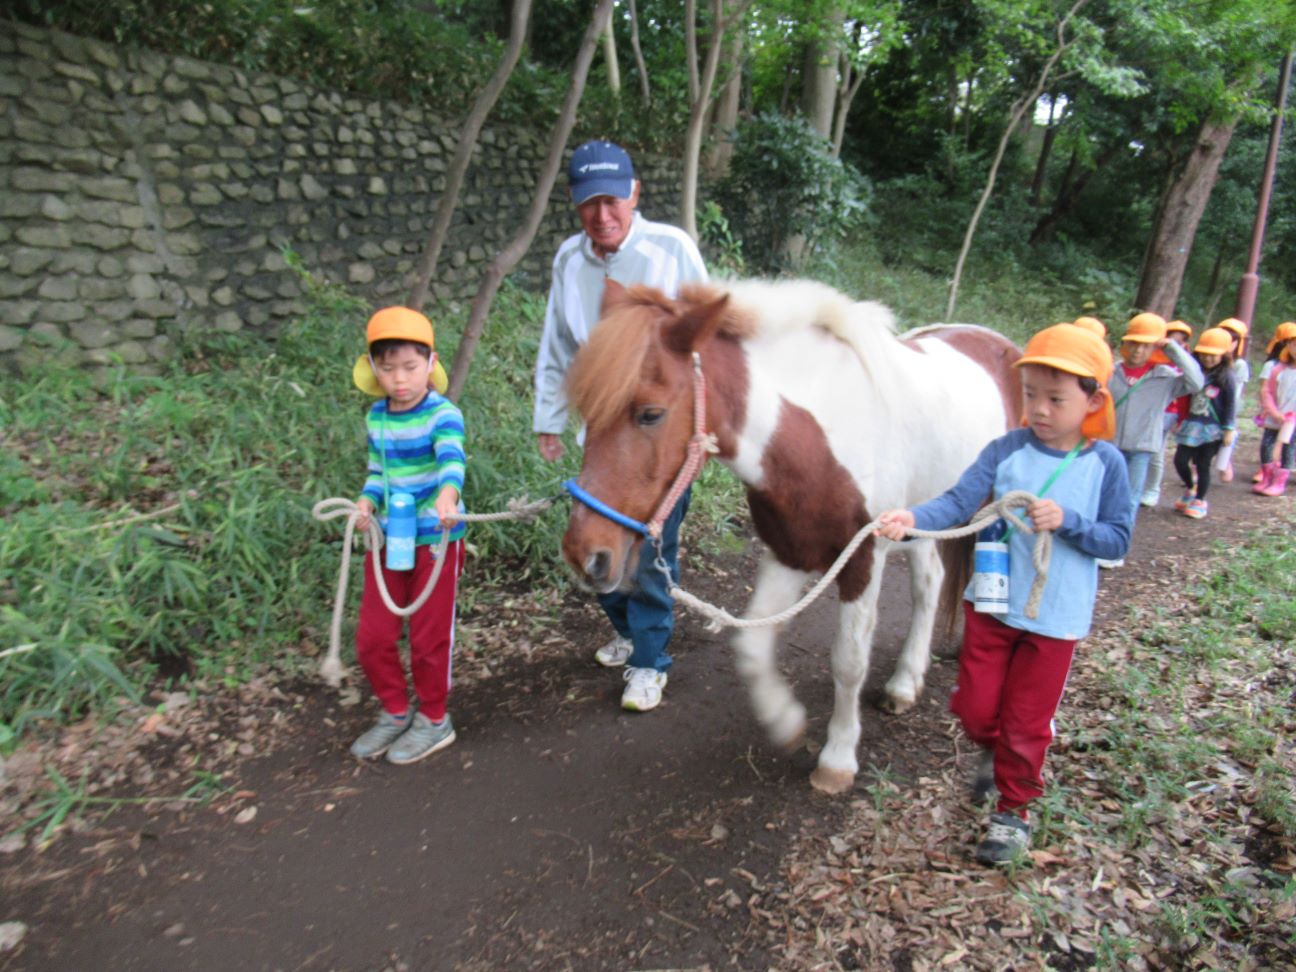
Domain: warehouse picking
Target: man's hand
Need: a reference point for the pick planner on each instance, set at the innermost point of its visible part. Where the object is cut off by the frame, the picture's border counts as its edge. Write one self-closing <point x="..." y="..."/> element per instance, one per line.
<point x="893" y="524"/>
<point x="1045" y="514"/>
<point x="551" y="447"/>
<point x="366" y="511"/>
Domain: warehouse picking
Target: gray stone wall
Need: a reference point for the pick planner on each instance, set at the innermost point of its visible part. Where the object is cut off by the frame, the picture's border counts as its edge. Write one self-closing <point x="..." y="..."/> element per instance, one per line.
<point x="143" y="194"/>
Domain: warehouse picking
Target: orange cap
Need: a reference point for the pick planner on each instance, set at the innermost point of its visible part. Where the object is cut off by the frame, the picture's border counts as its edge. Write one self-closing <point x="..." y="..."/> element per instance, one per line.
<point x="1179" y="326"/>
<point x="1238" y="327"/>
<point x="1145" y="328"/>
<point x="1077" y="351"/>
<point x="1283" y="332"/>
<point x="1091" y="324"/>
<point x="400" y="324"/>
<point x="1214" y="340"/>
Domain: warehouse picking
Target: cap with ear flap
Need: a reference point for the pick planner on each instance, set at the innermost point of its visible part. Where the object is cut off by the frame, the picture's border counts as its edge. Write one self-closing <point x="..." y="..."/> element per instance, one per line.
<point x="397" y="324"/>
<point x="1283" y="332"/>
<point x="1077" y="351"/>
<point x="1214" y="340"/>
<point x="1239" y="328"/>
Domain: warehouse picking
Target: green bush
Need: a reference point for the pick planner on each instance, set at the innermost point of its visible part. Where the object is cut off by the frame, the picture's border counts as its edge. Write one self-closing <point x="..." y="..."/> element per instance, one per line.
<point x="783" y="184"/>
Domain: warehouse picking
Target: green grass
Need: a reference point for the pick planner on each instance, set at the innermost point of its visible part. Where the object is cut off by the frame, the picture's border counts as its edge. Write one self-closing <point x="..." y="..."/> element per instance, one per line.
<point x="162" y="525"/>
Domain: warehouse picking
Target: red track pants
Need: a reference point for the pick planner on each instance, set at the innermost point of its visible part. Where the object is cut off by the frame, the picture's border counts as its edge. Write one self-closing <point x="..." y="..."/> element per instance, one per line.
<point x="431" y="632"/>
<point x="1009" y="685"/>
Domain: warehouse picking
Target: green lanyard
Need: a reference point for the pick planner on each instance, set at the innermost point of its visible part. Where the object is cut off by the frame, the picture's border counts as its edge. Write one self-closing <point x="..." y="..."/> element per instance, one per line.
<point x="1066" y="461"/>
<point x="382" y="434"/>
<point x="1121" y="401"/>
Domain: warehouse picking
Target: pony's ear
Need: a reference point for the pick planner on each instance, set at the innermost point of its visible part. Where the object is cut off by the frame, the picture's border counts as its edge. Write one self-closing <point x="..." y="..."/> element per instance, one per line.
<point x="614" y="293"/>
<point x="695" y="326"/>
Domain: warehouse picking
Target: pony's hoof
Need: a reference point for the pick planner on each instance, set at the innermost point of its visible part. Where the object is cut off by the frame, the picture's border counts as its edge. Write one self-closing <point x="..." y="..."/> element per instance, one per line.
<point x="831" y="781"/>
<point x="896" y="706"/>
<point x="791" y="743"/>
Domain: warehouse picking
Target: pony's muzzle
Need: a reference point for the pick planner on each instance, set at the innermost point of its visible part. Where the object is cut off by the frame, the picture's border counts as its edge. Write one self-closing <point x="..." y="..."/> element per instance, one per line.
<point x="598" y="567"/>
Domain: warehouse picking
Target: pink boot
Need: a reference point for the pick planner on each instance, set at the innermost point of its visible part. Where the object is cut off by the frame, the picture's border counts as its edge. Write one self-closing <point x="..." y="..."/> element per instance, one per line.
<point x="1266" y="478"/>
<point x="1279" y="482"/>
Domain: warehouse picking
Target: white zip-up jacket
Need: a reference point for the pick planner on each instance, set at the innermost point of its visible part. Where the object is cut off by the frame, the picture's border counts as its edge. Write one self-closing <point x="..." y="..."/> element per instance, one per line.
<point x="655" y="254"/>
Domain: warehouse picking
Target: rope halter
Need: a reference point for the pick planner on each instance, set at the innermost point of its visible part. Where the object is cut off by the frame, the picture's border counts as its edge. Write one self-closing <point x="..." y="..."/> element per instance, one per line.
<point x="700" y="445"/>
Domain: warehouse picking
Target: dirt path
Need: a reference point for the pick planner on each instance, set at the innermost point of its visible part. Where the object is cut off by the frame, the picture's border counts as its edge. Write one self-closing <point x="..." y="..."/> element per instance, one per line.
<point x="556" y="833"/>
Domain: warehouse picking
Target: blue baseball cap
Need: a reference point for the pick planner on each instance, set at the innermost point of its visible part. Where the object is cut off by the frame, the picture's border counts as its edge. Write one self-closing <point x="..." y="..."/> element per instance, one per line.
<point x="600" y="169"/>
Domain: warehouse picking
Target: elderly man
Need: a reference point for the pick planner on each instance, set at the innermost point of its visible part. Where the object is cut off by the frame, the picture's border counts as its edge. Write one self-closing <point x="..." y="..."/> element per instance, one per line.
<point x="616" y="242"/>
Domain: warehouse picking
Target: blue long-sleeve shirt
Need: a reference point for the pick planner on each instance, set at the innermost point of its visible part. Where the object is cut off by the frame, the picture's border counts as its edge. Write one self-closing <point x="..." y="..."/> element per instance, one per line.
<point x="1093" y="492"/>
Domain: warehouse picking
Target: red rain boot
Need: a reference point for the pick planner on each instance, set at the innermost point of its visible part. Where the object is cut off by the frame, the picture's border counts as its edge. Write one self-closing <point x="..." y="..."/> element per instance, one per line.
<point x="1279" y="482"/>
<point x="1266" y="478"/>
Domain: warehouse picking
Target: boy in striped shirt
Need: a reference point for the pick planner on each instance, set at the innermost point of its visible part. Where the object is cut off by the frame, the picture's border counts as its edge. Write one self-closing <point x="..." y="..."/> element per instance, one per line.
<point x="416" y="445"/>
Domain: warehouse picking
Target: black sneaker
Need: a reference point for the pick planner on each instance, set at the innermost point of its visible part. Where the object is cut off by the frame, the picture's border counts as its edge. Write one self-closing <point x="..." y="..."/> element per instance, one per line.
<point x="1006" y="841"/>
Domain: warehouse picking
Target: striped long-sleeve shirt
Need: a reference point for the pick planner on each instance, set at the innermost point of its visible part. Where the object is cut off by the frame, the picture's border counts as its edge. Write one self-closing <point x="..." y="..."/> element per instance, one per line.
<point x="418" y="451"/>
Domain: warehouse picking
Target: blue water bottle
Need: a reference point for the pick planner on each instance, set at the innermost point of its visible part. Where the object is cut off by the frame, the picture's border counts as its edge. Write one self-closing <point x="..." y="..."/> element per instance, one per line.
<point x="402" y="528"/>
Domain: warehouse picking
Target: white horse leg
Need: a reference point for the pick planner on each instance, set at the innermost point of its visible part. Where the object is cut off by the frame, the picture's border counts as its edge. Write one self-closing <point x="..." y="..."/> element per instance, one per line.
<point x="777" y="709"/>
<point x="925" y="575"/>
<point x="850" y="663"/>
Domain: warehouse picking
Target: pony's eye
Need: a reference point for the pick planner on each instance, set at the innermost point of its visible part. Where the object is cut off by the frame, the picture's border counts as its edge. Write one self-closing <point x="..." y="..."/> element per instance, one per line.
<point x="650" y="415"/>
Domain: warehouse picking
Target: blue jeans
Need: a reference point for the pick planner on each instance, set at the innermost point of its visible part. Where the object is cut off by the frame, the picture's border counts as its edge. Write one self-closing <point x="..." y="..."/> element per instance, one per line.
<point x="1136" y="466"/>
<point x="646" y="614"/>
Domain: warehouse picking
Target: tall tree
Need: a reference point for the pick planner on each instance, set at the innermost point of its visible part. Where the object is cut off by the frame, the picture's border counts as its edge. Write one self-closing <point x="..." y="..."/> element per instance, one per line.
<point x="516" y="248"/>
<point x="1065" y="37"/>
<point x="463" y="153"/>
<point x="701" y="84"/>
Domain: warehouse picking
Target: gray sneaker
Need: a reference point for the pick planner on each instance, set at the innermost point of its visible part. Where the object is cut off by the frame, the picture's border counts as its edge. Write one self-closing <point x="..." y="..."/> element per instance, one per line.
<point x="423" y="738"/>
<point x="374" y="742"/>
<point x="1007" y="839"/>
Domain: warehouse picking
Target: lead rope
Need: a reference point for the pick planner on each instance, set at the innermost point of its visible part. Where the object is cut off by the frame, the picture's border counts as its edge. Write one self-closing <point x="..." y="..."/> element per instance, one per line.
<point x="331" y="669"/>
<point x="1041" y="554"/>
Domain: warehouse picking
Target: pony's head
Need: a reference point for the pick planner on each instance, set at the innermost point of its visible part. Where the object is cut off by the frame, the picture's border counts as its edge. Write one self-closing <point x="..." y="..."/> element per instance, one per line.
<point x="632" y="384"/>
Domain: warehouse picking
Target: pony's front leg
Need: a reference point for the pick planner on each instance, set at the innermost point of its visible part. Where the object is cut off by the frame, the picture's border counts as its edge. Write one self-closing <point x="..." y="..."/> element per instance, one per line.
<point x="777" y="709"/>
<point x="850" y="663"/>
<point x="925" y="575"/>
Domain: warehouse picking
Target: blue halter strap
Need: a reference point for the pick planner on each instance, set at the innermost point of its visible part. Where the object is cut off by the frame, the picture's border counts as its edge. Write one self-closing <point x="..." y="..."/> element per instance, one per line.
<point x="598" y="506"/>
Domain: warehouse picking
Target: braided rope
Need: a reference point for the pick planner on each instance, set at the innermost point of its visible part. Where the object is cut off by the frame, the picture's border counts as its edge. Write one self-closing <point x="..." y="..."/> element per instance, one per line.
<point x="1041" y="554"/>
<point x="331" y="669"/>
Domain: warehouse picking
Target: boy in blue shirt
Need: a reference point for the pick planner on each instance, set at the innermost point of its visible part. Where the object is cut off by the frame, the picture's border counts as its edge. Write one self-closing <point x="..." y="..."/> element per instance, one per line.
<point x="1013" y="668"/>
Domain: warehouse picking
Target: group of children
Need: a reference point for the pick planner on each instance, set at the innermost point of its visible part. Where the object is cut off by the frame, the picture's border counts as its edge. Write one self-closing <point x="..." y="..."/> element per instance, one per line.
<point x="1090" y="449"/>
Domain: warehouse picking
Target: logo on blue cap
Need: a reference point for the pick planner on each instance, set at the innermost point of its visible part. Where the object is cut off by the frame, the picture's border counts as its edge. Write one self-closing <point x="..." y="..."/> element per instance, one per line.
<point x="600" y="169"/>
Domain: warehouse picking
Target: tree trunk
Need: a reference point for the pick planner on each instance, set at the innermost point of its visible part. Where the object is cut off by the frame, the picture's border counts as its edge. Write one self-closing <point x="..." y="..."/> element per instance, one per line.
<point x="1068" y="196"/>
<point x="697" y="109"/>
<point x="516" y="248"/>
<point x="690" y="47"/>
<point x="610" y="58"/>
<point x="1046" y="149"/>
<point x="463" y="154"/>
<point x="725" y="116"/>
<point x="644" y="90"/>
<point x="1024" y="104"/>
<point x="819" y="80"/>
<point x="848" y="87"/>
<point x="1176" y="226"/>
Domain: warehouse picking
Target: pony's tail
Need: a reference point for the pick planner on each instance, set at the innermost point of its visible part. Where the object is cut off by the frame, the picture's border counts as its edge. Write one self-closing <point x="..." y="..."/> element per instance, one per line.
<point x="956" y="555"/>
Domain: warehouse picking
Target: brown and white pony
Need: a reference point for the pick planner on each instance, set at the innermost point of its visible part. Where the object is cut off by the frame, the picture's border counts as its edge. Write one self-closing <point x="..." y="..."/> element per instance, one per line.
<point x="827" y="417"/>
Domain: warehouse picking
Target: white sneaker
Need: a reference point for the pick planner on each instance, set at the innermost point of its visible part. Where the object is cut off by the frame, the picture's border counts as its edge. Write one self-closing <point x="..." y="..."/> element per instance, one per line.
<point x="1150" y="498"/>
<point x="1109" y="564"/>
<point x="615" y="653"/>
<point x="643" y="689"/>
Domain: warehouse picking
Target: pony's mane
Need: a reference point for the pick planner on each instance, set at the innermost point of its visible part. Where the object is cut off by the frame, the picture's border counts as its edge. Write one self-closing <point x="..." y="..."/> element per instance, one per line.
<point x="606" y="371"/>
